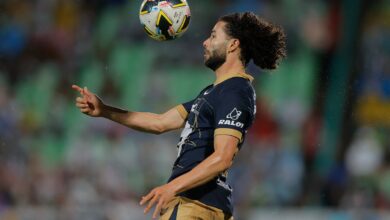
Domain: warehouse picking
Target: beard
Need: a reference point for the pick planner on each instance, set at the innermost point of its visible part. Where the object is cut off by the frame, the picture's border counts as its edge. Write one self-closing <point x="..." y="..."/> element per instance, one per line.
<point x="216" y="59"/>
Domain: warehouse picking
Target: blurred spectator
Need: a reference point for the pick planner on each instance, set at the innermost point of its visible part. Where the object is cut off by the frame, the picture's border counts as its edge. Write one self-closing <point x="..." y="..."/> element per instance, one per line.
<point x="364" y="156"/>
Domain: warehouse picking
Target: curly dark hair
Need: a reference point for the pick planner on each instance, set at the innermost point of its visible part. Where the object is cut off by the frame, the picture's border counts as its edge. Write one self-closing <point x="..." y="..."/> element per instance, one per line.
<point x="260" y="40"/>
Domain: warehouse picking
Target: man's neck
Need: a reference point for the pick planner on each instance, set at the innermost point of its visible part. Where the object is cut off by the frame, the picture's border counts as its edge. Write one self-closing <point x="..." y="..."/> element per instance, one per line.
<point x="229" y="68"/>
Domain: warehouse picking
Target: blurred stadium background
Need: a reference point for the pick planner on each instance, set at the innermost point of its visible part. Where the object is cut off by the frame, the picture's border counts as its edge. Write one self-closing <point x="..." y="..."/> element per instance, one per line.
<point x="320" y="148"/>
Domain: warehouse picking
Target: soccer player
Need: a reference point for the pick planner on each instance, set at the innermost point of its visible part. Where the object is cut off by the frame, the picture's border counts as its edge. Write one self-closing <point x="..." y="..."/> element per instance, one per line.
<point x="215" y="122"/>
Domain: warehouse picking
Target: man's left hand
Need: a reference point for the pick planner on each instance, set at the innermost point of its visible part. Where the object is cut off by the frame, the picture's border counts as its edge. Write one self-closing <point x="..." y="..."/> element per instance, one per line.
<point x="160" y="196"/>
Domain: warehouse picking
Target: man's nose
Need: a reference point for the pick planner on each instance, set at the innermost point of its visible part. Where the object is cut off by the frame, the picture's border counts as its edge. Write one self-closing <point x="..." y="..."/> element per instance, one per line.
<point x="204" y="43"/>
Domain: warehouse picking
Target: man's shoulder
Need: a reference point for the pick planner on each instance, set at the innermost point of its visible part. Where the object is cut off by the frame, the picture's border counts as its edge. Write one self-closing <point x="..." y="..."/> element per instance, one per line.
<point x="236" y="85"/>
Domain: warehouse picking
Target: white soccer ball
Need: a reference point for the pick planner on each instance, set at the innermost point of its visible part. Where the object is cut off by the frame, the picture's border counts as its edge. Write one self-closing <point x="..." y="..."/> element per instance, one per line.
<point x="165" y="19"/>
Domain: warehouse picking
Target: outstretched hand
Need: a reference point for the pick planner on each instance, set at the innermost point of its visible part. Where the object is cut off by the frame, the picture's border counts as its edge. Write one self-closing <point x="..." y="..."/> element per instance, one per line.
<point x="88" y="103"/>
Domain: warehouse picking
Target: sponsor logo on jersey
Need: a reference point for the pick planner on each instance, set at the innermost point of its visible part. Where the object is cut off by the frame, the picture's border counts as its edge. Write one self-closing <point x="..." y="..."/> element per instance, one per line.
<point x="230" y="122"/>
<point x="234" y="114"/>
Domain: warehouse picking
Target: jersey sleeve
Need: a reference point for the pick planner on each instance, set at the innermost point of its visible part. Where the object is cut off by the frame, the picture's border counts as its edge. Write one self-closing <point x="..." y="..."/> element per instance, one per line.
<point x="184" y="109"/>
<point x="233" y="114"/>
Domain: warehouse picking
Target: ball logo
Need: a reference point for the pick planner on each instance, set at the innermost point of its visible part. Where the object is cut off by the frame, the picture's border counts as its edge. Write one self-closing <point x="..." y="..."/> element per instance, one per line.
<point x="234" y="115"/>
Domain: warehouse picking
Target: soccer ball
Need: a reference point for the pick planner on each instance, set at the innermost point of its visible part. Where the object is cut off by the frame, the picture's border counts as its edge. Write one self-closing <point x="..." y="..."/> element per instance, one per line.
<point x="165" y="19"/>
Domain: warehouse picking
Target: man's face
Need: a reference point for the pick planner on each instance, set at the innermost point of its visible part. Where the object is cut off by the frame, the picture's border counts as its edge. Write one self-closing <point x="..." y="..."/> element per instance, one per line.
<point x="215" y="47"/>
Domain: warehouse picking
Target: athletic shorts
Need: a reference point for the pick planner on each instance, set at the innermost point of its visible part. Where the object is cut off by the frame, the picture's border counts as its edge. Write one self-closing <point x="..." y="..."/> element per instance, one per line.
<point x="182" y="208"/>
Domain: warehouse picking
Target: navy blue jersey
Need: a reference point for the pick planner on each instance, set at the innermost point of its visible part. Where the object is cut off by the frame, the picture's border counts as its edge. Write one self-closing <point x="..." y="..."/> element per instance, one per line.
<point x="226" y="108"/>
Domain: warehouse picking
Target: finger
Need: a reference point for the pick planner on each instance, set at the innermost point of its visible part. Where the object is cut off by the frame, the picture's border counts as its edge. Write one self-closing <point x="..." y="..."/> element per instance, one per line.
<point x="82" y="105"/>
<point x="77" y="88"/>
<point x="157" y="210"/>
<point x="146" y="198"/>
<point x="87" y="93"/>
<point x="85" y="110"/>
<point x="151" y="203"/>
<point x="81" y="100"/>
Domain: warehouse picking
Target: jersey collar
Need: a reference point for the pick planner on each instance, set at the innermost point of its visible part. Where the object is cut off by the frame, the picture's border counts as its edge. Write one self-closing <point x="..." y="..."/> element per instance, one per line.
<point x="228" y="76"/>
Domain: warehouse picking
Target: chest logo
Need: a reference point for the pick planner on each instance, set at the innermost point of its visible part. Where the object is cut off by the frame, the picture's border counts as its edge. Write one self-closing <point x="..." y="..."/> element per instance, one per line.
<point x="193" y="107"/>
<point x="234" y="115"/>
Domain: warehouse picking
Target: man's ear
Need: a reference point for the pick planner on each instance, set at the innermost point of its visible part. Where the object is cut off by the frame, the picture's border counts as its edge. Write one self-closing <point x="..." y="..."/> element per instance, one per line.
<point x="233" y="45"/>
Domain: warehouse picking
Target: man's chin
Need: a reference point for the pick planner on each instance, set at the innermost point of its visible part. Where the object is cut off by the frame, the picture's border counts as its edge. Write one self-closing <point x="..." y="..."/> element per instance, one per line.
<point x="205" y="60"/>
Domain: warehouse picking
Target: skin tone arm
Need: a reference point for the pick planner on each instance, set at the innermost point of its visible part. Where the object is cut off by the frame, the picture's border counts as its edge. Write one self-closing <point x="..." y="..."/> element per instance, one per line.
<point x="225" y="147"/>
<point x="90" y="104"/>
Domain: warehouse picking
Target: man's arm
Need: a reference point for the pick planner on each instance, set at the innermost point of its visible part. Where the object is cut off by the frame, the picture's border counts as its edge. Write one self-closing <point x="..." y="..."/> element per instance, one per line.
<point x="145" y="121"/>
<point x="92" y="105"/>
<point x="225" y="147"/>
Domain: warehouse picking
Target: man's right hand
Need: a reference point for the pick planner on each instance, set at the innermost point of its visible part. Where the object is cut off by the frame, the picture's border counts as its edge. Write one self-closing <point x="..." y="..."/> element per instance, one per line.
<point x="88" y="103"/>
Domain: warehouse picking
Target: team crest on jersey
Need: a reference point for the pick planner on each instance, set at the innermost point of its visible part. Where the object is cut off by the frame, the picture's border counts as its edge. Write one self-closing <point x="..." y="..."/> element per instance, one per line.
<point x="234" y="115"/>
<point x="193" y="107"/>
